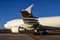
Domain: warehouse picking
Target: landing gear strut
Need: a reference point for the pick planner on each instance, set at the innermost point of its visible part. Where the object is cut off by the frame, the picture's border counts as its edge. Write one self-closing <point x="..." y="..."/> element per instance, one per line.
<point x="37" y="32"/>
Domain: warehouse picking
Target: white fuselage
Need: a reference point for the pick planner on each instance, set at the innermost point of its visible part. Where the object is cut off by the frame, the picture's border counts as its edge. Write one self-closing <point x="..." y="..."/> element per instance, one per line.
<point x="46" y="21"/>
<point x="50" y="21"/>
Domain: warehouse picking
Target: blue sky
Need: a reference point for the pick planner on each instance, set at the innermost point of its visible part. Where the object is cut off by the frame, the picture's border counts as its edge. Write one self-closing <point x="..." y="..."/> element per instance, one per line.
<point x="9" y="9"/>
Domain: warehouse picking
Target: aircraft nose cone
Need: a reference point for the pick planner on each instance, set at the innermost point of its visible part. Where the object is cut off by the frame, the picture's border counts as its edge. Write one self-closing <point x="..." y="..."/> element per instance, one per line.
<point x="7" y="26"/>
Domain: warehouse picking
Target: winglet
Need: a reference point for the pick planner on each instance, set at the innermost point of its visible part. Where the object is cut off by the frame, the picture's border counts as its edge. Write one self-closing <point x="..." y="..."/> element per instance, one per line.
<point x="29" y="9"/>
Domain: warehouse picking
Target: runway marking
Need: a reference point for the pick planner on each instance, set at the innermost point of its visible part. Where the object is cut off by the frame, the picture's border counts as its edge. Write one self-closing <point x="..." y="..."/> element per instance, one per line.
<point x="32" y="36"/>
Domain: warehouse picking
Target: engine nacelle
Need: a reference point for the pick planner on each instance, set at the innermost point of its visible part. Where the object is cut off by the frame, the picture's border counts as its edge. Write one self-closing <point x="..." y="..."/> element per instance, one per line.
<point x="15" y="29"/>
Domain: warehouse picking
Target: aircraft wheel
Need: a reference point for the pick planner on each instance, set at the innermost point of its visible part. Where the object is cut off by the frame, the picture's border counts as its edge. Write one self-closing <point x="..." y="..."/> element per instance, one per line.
<point x="44" y="32"/>
<point x="36" y="32"/>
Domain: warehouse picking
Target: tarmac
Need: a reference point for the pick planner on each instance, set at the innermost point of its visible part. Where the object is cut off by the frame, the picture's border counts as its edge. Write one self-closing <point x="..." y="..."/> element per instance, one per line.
<point x="7" y="35"/>
<point x="28" y="37"/>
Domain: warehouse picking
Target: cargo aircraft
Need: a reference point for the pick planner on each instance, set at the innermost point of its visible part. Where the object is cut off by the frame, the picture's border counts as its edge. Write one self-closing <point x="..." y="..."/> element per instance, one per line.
<point x="37" y="25"/>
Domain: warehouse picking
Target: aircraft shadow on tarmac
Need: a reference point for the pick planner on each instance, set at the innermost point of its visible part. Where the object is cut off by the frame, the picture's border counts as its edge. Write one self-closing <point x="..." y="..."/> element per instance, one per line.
<point x="7" y="31"/>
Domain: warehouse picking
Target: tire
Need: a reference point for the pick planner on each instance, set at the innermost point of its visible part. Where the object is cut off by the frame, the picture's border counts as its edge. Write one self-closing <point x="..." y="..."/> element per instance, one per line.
<point x="45" y="33"/>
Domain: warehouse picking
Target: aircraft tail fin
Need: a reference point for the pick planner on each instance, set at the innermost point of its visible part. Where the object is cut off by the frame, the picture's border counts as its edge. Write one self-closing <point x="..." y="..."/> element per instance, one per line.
<point x="26" y="13"/>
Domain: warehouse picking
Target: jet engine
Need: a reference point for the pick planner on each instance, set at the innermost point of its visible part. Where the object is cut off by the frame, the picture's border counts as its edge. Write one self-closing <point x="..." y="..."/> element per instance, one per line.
<point x="15" y="29"/>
